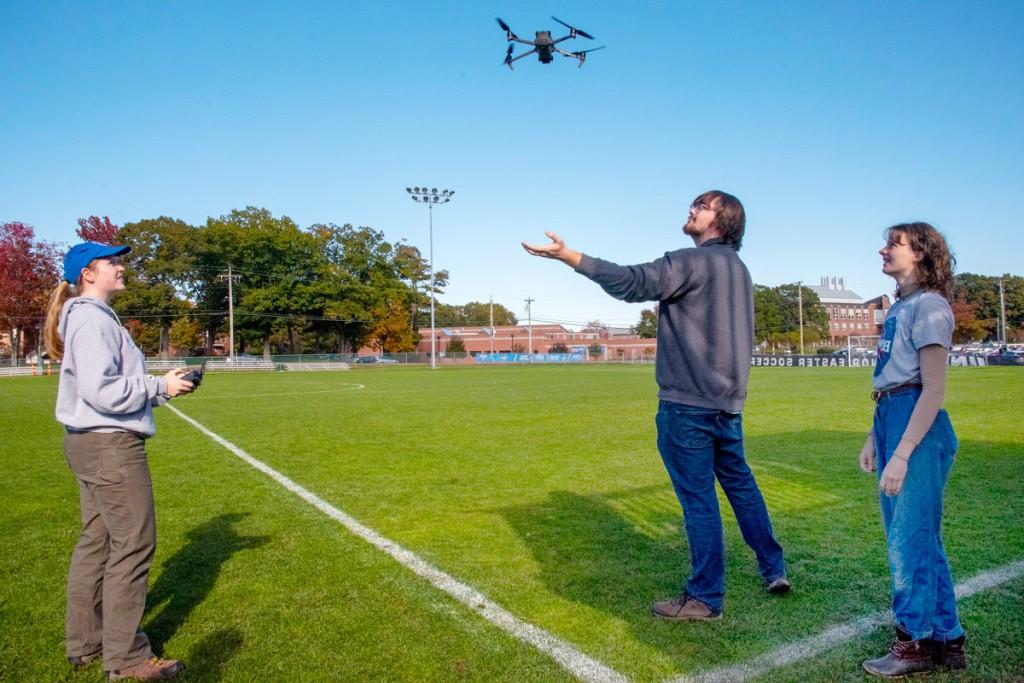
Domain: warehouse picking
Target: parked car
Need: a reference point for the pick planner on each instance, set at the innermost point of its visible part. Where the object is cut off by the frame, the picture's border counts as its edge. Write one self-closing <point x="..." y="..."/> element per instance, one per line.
<point x="375" y="360"/>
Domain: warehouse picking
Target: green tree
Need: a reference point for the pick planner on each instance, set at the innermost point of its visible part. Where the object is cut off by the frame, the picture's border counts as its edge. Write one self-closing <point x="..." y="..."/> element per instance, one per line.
<point x="777" y="315"/>
<point x="768" y="317"/>
<point x="456" y="345"/>
<point x="276" y="268"/>
<point x="472" y="314"/>
<point x="647" y="328"/>
<point x="159" y="271"/>
<point x="558" y="347"/>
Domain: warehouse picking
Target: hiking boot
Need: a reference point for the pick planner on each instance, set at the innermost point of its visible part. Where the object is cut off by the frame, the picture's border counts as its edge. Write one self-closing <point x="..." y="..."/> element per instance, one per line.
<point x="949" y="653"/>
<point x="685" y="608"/>
<point x="779" y="586"/>
<point x="906" y="657"/>
<point x="82" y="661"/>
<point x="152" y="669"/>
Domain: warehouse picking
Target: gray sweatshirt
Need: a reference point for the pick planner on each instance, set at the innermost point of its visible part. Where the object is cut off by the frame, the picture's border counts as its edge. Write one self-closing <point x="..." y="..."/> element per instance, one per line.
<point x="103" y="382"/>
<point x="705" y="320"/>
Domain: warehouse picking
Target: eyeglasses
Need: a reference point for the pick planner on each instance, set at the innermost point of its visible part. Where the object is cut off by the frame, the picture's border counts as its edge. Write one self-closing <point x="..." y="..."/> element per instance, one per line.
<point x="699" y="206"/>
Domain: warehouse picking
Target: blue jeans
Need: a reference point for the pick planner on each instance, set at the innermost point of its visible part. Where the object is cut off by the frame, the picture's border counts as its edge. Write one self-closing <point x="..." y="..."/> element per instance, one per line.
<point x="923" y="601"/>
<point x="698" y="445"/>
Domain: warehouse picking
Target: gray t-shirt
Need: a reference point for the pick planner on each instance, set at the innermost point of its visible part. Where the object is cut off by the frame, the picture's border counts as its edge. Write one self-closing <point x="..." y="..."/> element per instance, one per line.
<point x="919" y="320"/>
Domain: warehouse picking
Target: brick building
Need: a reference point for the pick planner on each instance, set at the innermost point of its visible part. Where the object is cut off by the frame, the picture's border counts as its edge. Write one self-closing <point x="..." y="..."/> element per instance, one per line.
<point x="616" y="343"/>
<point x="849" y="314"/>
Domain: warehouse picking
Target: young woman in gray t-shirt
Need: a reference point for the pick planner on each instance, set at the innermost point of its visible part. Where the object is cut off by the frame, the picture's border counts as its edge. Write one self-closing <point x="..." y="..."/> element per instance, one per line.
<point x="911" y="446"/>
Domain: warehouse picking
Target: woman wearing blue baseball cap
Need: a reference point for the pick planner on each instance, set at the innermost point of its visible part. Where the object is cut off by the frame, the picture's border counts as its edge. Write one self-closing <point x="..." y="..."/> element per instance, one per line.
<point x="105" y="402"/>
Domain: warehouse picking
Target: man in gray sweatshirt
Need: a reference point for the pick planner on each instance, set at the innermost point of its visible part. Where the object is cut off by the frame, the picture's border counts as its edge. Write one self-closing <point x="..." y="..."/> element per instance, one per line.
<point x="705" y="341"/>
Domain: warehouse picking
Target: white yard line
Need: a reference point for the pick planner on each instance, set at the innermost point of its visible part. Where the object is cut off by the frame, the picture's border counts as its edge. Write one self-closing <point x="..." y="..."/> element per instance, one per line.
<point x="835" y="635"/>
<point x="571" y="659"/>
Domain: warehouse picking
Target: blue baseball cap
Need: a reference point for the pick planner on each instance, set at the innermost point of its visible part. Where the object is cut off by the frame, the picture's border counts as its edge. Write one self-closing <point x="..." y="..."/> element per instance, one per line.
<point x="81" y="255"/>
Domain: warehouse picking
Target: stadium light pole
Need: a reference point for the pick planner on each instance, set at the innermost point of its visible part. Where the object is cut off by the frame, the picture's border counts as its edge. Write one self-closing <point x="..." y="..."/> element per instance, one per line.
<point x="431" y="196"/>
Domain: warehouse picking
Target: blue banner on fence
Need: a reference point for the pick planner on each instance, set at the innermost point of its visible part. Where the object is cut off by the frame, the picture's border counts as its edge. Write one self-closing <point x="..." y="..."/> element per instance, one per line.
<point x="525" y="358"/>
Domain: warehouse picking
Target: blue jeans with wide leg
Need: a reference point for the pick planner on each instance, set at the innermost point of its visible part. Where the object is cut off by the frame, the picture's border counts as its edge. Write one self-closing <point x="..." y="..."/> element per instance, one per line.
<point x="697" y="446"/>
<point x="923" y="601"/>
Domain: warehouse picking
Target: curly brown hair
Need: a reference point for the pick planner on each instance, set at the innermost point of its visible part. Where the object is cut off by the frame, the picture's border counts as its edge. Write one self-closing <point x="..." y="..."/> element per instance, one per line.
<point x="935" y="269"/>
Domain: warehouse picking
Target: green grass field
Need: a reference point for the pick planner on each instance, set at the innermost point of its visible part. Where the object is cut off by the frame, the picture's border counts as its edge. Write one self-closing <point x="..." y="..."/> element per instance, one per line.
<point x="541" y="487"/>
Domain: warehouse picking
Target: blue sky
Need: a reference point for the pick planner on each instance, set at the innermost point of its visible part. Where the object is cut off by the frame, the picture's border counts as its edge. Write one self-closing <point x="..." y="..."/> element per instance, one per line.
<point x="830" y="121"/>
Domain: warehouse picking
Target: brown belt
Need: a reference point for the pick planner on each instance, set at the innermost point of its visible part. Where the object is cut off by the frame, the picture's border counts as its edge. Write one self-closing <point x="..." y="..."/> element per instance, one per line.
<point x="877" y="395"/>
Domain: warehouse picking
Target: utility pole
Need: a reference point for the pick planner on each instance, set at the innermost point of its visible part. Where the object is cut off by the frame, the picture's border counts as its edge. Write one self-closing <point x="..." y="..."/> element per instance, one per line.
<point x="529" y="326"/>
<point x="1002" y="312"/>
<point x="231" y="278"/>
<point x="492" y="323"/>
<point x="800" y="306"/>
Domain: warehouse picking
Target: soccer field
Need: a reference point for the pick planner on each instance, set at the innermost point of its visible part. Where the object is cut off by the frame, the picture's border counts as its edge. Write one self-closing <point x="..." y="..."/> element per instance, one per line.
<point x="540" y="488"/>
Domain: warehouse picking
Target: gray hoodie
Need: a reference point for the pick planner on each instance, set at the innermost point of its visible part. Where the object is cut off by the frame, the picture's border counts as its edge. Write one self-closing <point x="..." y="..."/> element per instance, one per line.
<point x="103" y="382"/>
<point x="705" y="320"/>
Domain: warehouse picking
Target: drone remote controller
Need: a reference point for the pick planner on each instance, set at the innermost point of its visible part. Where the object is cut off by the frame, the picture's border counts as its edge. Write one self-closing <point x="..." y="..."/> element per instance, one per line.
<point x="195" y="375"/>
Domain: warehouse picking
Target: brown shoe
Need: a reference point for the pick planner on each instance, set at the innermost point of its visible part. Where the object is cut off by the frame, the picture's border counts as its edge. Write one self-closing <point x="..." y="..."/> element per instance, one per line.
<point x="905" y="658"/>
<point x="949" y="653"/>
<point x="685" y="608"/>
<point x="151" y="669"/>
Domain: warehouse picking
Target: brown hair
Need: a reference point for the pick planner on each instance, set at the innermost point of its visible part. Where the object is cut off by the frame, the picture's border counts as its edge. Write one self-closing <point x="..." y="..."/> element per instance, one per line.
<point x="935" y="269"/>
<point x="730" y="218"/>
<point x="54" y="344"/>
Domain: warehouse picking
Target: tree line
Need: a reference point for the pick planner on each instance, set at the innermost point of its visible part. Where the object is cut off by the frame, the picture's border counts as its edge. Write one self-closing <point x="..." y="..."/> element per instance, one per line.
<point x="323" y="288"/>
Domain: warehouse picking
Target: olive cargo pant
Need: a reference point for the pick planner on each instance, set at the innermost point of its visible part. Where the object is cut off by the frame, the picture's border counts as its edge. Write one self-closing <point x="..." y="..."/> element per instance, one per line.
<point x="107" y="581"/>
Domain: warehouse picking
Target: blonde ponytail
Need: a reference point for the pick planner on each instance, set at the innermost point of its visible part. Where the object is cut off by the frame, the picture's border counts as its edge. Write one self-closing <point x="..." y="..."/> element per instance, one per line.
<point x="54" y="344"/>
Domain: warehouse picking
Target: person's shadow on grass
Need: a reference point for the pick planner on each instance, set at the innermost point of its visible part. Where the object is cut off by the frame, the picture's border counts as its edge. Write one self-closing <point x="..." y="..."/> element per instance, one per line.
<point x="210" y="655"/>
<point x="590" y="554"/>
<point x="190" y="574"/>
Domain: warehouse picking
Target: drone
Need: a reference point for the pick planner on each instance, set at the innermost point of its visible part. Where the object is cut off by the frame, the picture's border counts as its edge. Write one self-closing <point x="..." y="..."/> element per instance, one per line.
<point x="544" y="46"/>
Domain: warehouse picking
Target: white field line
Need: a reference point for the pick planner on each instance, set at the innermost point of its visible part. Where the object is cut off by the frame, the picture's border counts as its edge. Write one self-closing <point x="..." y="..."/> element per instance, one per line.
<point x="831" y="637"/>
<point x="577" y="663"/>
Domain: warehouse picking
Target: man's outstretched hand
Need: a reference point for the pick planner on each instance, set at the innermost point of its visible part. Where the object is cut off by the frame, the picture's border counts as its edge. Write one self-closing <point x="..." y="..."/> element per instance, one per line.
<point x="556" y="250"/>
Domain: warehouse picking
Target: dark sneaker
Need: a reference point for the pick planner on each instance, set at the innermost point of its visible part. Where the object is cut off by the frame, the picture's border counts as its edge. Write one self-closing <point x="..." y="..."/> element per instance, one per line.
<point x="949" y="653"/>
<point x="152" y="669"/>
<point x="779" y="586"/>
<point x="685" y="608"/>
<point x="81" y="661"/>
<point x="905" y="658"/>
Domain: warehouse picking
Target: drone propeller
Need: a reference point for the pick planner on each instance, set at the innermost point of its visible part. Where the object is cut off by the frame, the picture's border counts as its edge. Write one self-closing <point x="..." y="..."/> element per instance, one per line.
<point x="505" y="27"/>
<point x="573" y="28"/>
<point x="593" y="49"/>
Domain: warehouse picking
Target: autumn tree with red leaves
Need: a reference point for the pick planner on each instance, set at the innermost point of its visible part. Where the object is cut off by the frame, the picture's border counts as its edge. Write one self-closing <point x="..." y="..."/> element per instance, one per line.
<point x="29" y="270"/>
<point x="96" y="229"/>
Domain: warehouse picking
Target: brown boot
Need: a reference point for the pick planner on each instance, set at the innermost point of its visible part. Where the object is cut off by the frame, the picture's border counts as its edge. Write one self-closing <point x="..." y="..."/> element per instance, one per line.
<point x="949" y="653"/>
<point x="151" y="669"/>
<point x="685" y="608"/>
<point x="906" y="657"/>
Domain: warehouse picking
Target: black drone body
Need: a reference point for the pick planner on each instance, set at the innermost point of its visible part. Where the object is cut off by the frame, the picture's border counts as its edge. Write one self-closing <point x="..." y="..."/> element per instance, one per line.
<point x="544" y="45"/>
